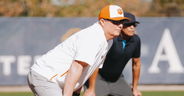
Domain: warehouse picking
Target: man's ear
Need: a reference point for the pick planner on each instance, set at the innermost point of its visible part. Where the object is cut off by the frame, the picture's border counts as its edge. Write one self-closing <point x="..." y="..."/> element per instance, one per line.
<point x="102" y="22"/>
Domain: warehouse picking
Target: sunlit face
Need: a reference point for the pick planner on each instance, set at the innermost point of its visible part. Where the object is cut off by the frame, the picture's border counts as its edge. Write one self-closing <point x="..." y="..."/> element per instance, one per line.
<point x="129" y="30"/>
<point x="112" y="28"/>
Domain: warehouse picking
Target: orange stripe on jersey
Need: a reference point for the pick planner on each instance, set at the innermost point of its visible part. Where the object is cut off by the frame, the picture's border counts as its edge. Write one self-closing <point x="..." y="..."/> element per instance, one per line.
<point x="57" y="75"/>
<point x="63" y="74"/>
<point x="53" y="76"/>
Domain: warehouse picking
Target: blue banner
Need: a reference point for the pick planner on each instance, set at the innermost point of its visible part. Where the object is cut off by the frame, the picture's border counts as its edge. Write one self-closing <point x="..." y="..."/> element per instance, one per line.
<point x="22" y="40"/>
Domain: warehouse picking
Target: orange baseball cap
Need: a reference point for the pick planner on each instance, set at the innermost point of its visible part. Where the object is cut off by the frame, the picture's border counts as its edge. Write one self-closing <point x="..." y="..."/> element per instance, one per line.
<point x="112" y="12"/>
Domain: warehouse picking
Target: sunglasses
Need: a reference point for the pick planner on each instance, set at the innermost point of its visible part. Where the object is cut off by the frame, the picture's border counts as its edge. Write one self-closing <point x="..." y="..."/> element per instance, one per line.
<point x="130" y="24"/>
<point x="116" y="22"/>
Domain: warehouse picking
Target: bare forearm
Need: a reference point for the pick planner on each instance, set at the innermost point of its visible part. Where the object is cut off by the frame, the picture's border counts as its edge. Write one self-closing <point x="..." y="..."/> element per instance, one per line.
<point x="92" y="82"/>
<point x="136" y="72"/>
<point x="92" y="79"/>
<point x="136" y="75"/>
<point x="73" y="76"/>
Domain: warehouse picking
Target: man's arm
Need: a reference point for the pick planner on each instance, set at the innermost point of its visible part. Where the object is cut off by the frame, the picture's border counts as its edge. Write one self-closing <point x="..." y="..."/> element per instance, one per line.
<point x="136" y="65"/>
<point x="73" y="76"/>
<point x="92" y="81"/>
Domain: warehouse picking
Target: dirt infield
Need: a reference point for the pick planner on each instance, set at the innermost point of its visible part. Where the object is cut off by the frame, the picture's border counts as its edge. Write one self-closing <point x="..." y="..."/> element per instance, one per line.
<point x="161" y="87"/>
<point x="14" y="89"/>
<point x="141" y="87"/>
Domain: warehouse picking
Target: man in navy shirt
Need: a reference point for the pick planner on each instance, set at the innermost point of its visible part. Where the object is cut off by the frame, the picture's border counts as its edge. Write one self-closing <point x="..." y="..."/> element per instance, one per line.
<point x="110" y="81"/>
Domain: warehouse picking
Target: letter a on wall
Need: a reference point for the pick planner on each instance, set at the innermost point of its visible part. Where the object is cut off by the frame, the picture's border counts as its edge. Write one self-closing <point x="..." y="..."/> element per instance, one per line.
<point x="171" y="56"/>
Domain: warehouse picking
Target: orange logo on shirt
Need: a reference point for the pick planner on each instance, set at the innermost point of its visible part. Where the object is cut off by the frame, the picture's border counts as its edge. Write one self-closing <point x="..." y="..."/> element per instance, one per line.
<point x="120" y="11"/>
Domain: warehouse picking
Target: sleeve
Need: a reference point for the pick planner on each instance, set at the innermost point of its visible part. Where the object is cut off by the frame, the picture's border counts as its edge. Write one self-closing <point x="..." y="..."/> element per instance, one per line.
<point x="137" y="52"/>
<point x="86" y="49"/>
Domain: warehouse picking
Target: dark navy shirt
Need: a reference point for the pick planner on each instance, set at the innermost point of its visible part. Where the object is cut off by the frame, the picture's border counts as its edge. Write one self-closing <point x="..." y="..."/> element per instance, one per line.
<point x="117" y="57"/>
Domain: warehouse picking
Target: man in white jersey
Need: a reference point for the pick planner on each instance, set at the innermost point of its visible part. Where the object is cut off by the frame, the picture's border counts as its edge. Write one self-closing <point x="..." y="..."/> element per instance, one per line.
<point x="66" y="68"/>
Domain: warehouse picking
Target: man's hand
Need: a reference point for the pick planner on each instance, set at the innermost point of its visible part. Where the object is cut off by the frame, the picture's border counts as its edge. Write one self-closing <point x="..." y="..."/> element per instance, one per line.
<point x="89" y="92"/>
<point x="136" y="92"/>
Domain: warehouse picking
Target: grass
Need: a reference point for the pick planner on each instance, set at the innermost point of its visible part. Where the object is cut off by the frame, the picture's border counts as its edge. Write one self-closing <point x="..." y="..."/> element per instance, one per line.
<point x="163" y="93"/>
<point x="144" y="93"/>
<point x="16" y="94"/>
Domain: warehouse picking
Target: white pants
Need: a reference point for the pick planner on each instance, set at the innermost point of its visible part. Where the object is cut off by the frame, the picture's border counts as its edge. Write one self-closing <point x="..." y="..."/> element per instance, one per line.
<point x="40" y="86"/>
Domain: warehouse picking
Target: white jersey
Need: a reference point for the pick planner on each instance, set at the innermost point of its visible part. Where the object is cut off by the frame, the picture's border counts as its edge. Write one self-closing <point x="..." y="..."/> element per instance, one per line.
<point x="88" y="45"/>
